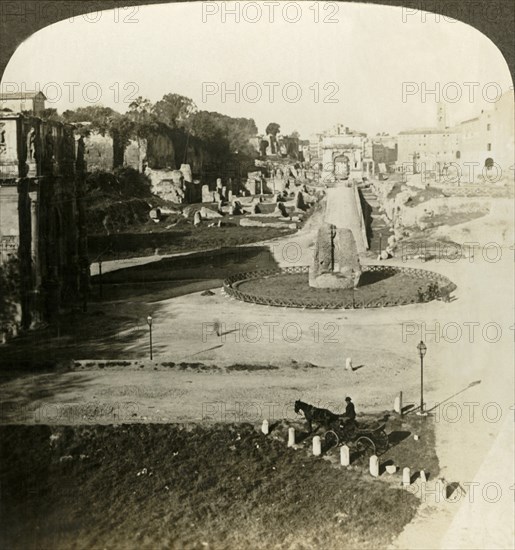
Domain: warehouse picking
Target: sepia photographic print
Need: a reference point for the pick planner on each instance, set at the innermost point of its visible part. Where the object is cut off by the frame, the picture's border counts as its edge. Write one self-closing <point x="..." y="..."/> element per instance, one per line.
<point x="256" y="275"/>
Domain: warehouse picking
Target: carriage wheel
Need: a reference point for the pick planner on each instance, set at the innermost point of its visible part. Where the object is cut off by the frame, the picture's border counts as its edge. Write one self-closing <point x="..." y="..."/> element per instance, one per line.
<point x="365" y="446"/>
<point x="331" y="439"/>
<point x="382" y="442"/>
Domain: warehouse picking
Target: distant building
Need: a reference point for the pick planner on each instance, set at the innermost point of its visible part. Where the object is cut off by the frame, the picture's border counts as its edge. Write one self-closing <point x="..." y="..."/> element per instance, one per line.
<point x="481" y="146"/>
<point x="384" y="152"/>
<point x="19" y="102"/>
<point x="486" y="141"/>
<point x="315" y="147"/>
<point x="423" y="149"/>
<point x="305" y="149"/>
<point x="42" y="213"/>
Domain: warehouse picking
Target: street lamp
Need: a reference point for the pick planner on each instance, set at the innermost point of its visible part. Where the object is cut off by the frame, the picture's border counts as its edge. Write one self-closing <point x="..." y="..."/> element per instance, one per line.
<point x="422" y="348"/>
<point x="149" y="322"/>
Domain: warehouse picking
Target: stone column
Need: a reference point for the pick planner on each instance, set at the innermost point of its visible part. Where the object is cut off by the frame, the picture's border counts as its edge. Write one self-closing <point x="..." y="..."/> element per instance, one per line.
<point x="34" y="239"/>
<point x="291" y="437"/>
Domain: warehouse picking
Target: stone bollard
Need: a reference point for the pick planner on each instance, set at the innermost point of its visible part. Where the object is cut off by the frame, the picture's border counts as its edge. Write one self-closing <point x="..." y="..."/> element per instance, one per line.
<point x="291" y="437"/>
<point x="317" y="446"/>
<point x="423" y="477"/>
<point x="406" y="477"/>
<point x="397" y="405"/>
<point x="265" y="427"/>
<point x="344" y="455"/>
<point x="374" y="466"/>
<point x="348" y="364"/>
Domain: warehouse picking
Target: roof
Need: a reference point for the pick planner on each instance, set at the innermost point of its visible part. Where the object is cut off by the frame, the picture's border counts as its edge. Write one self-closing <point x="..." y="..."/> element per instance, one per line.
<point x="21" y="95"/>
<point x="418" y="131"/>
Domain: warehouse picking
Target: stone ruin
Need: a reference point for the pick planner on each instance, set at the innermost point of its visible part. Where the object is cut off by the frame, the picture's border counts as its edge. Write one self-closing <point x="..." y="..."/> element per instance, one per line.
<point x="336" y="260"/>
<point x="177" y="186"/>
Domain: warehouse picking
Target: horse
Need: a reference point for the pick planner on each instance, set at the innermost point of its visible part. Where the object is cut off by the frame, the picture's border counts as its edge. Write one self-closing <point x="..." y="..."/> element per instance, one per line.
<point x="323" y="417"/>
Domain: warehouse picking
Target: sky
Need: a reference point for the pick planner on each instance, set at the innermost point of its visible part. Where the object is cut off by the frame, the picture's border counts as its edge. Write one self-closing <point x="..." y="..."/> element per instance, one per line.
<point x="371" y="68"/>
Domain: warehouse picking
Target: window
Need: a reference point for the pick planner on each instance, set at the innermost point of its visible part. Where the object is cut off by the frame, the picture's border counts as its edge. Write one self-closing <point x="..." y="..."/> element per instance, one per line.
<point x="488" y="146"/>
<point x="458" y="154"/>
<point x="488" y="126"/>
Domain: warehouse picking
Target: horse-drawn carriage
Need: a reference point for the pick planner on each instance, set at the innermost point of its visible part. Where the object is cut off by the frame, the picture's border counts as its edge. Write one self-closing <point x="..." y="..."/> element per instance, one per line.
<point x="367" y="438"/>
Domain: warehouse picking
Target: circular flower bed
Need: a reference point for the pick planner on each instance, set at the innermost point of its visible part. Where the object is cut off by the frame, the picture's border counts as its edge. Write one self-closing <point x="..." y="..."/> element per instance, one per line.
<point x="379" y="286"/>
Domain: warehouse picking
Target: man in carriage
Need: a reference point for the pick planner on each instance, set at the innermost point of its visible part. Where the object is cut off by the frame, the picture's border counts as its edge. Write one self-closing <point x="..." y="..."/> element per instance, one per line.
<point x="348" y="419"/>
<point x="350" y="411"/>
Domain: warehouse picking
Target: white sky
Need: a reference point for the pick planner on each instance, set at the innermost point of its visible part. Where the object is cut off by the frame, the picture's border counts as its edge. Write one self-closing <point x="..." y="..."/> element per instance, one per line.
<point x="368" y="53"/>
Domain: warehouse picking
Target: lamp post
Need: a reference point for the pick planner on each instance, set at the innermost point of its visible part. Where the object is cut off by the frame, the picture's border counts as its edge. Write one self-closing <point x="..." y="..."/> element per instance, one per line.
<point x="422" y="348"/>
<point x="149" y="322"/>
<point x="100" y="278"/>
<point x="380" y="243"/>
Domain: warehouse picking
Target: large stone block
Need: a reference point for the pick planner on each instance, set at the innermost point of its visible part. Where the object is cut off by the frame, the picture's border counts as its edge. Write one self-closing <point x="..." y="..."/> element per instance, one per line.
<point x="207" y="195"/>
<point x="336" y="260"/>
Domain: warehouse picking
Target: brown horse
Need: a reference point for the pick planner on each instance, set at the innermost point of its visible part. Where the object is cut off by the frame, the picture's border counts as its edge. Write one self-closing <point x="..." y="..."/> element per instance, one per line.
<point x="312" y="414"/>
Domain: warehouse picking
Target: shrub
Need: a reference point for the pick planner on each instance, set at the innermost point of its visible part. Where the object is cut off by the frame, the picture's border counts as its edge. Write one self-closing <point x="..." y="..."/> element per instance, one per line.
<point x="432" y="292"/>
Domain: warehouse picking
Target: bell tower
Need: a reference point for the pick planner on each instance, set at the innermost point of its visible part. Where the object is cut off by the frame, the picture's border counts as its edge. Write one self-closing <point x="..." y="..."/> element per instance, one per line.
<point x="441" y="116"/>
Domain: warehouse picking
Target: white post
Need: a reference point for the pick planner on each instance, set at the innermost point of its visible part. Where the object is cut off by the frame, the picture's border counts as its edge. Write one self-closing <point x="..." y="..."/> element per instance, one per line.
<point x="406" y="477"/>
<point x="423" y="477"/>
<point x="317" y="446"/>
<point x="397" y="405"/>
<point x="344" y="455"/>
<point x="291" y="437"/>
<point x="265" y="427"/>
<point x="348" y="364"/>
<point x="374" y="466"/>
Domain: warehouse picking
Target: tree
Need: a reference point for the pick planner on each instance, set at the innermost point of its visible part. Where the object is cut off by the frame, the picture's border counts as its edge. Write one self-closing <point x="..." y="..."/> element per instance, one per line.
<point x="142" y="120"/>
<point x="174" y="109"/>
<point x="223" y="134"/>
<point x="50" y="114"/>
<point x="98" y="117"/>
<point x="140" y="105"/>
<point x="273" y="129"/>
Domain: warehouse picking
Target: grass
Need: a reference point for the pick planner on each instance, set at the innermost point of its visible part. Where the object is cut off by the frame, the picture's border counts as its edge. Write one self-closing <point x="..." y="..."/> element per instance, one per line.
<point x="130" y="245"/>
<point x="165" y="486"/>
<point x="405" y="451"/>
<point x="171" y="277"/>
<point x="296" y="287"/>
